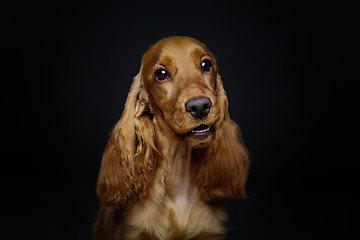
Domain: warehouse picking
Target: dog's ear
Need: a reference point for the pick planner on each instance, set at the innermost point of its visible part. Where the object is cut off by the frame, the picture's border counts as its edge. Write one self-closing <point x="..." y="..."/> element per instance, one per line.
<point x="221" y="169"/>
<point x="128" y="161"/>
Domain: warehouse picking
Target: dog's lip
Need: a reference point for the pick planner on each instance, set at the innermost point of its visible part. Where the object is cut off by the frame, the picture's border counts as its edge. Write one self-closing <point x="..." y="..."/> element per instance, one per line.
<point x="200" y="131"/>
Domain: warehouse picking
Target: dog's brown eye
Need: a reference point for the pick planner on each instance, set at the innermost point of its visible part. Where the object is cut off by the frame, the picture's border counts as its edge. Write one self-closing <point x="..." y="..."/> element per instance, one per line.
<point x="161" y="74"/>
<point x="206" y="65"/>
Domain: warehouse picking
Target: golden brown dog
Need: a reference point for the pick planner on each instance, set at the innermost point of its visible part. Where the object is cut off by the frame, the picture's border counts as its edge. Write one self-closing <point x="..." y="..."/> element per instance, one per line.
<point x="174" y="154"/>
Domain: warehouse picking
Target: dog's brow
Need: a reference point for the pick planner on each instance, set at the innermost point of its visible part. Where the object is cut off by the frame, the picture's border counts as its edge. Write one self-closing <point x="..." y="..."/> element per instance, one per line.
<point x="198" y="53"/>
<point x="166" y="61"/>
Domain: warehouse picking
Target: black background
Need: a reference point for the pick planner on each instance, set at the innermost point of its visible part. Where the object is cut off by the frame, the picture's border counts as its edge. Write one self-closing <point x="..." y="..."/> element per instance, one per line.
<point x="67" y="68"/>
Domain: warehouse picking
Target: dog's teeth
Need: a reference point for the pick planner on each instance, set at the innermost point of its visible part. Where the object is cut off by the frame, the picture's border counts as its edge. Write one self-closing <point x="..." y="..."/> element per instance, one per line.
<point x="201" y="131"/>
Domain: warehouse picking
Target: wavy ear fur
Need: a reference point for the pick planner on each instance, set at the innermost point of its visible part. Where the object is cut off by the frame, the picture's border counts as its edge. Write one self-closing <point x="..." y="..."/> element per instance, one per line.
<point x="129" y="159"/>
<point x="221" y="169"/>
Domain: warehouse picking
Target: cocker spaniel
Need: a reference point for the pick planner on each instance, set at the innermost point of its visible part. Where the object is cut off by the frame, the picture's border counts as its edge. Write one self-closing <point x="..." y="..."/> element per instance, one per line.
<point x="174" y="154"/>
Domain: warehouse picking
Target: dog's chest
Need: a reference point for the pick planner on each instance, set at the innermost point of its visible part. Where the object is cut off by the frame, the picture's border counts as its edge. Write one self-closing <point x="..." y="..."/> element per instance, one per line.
<point x="181" y="194"/>
<point x="181" y="197"/>
<point x="179" y="207"/>
<point x="176" y="207"/>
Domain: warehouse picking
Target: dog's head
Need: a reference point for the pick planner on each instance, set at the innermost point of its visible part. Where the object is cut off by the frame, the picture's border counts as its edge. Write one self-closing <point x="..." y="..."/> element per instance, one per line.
<point x="184" y="89"/>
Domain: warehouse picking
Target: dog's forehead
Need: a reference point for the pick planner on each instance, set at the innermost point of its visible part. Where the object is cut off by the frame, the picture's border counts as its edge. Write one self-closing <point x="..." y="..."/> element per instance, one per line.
<point x="175" y="48"/>
<point x="175" y="54"/>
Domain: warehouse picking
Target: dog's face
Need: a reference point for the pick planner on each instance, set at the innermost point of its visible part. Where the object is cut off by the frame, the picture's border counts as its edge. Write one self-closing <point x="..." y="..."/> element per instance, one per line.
<point x="180" y="77"/>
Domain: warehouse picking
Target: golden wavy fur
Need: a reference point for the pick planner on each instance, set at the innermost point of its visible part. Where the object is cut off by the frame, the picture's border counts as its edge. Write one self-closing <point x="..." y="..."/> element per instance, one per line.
<point x="174" y="154"/>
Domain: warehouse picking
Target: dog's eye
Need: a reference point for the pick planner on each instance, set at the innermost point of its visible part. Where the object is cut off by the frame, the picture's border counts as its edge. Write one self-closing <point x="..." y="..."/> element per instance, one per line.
<point x="161" y="74"/>
<point x="206" y="65"/>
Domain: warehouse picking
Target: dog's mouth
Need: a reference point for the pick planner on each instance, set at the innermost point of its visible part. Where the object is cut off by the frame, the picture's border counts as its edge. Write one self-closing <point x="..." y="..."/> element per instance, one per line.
<point x="200" y="132"/>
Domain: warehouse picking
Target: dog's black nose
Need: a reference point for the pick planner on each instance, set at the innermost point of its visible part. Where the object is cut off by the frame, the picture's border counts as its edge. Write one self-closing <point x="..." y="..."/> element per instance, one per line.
<point x="198" y="107"/>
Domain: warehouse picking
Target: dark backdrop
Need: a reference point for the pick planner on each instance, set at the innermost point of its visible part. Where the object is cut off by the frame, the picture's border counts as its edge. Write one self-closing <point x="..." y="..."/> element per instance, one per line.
<point x="67" y="68"/>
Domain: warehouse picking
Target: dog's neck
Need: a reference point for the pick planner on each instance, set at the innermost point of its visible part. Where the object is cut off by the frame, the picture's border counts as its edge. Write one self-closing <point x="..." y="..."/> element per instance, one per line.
<point x="178" y="158"/>
<point x="179" y="178"/>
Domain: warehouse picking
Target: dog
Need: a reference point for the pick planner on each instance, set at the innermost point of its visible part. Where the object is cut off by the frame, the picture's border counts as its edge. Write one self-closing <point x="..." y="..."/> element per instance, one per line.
<point x="174" y="154"/>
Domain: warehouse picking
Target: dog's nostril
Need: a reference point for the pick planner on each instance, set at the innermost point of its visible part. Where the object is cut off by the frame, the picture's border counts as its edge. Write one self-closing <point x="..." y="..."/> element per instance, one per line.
<point x="207" y="106"/>
<point x="198" y="107"/>
<point x="193" y="109"/>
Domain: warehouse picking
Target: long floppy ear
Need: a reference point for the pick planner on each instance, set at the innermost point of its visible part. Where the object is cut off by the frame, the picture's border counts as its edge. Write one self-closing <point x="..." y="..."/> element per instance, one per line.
<point x="221" y="169"/>
<point x="129" y="160"/>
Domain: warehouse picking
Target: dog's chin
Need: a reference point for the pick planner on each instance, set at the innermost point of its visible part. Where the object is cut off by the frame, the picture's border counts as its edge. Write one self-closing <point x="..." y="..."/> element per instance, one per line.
<point x="200" y="136"/>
